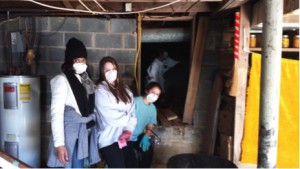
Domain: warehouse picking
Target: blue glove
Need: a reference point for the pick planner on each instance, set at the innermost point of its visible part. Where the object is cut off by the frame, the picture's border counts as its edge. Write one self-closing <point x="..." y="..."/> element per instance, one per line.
<point x="145" y="143"/>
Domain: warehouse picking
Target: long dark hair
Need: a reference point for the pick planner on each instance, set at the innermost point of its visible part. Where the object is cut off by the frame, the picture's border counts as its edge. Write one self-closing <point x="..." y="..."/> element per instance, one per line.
<point x="119" y="89"/>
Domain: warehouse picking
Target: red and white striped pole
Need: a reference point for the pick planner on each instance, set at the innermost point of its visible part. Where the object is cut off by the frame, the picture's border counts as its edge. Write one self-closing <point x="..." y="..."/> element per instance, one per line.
<point x="233" y="89"/>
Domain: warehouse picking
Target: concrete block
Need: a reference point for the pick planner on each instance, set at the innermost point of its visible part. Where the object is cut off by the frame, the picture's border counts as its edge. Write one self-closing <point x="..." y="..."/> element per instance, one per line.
<point x="98" y="25"/>
<point x="12" y="26"/>
<point x="108" y="41"/>
<point x="130" y="41"/>
<point x="42" y="23"/>
<point x="123" y="25"/>
<point x="191" y="133"/>
<point x="123" y="56"/>
<point x="49" y="69"/>
<point x="95" y="55"/>
<point x="41" y="54"/>
<point x="86" y="38"/>
<point x="59" y="24"/>
<point x="128" y="71"/>
<point x="202" y="103"/>
<point x="200" y="118"/>
<point x="50" y="39"/>
<point x="56" y="54"/>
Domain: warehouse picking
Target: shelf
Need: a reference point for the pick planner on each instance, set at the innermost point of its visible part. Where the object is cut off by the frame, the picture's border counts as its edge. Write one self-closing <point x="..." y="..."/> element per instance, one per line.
<point x="283" y="49"/>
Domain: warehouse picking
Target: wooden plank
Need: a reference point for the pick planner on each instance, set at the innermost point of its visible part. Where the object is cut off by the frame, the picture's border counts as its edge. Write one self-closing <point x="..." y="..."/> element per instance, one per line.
<point x="167" y="18"/>
<point x="195" y="69"/>
<point x="12" y="159"/>
<point x="162" y="119"/>
<point x="242" y="85"/>
<point x="169" y="114"/>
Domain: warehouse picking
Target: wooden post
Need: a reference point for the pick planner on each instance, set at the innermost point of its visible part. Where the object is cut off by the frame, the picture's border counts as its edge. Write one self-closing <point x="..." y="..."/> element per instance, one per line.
<point x="195" y="70"/>
<point x="242" y="83"/>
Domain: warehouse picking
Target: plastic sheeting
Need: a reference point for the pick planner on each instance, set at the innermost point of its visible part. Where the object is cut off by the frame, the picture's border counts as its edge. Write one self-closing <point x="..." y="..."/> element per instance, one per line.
<point x="288" y="130"/>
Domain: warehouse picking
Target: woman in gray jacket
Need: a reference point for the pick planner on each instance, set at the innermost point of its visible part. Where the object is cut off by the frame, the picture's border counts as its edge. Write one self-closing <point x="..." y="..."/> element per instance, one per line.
<point x="114" y="105"/>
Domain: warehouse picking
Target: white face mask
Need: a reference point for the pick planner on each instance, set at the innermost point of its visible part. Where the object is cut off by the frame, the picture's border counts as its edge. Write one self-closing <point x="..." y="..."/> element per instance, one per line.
<point x="111" y="76"/>
<point x="79" y="67"/>
<point x="151" y="97"/>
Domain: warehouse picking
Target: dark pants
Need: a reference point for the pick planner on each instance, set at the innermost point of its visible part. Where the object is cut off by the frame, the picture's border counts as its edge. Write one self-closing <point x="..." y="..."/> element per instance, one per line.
<point x="143" y="159"/>
<point x="116" y="157"/>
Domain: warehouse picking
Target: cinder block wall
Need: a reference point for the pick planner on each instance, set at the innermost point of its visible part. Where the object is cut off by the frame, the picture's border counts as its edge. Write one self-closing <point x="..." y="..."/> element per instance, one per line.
<point x="102" y="37"/>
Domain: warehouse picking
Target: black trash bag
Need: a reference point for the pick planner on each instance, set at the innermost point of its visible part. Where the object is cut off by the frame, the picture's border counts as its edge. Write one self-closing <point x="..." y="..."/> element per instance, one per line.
<point x="199" y="161"/>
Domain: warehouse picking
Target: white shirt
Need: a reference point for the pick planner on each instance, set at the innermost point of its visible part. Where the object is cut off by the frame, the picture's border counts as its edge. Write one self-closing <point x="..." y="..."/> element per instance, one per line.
<point x="158" y="68"/>
<point x="112" y="118"/>
<point x="62" y="95"/>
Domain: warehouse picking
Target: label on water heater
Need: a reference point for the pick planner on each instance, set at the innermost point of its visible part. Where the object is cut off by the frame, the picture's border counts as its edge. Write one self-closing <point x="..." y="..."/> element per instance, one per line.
<point x="10" y="95"/>
<point x="24" y="92"/>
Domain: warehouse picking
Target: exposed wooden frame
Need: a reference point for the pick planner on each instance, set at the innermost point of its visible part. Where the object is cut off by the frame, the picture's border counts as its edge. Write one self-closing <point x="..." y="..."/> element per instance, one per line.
<point x="155" y="1"/>
<point x="67" y="4"/>
<point x="167" y="18"/>
<point x="195" y="69"/>
<point x="242" y="83"/>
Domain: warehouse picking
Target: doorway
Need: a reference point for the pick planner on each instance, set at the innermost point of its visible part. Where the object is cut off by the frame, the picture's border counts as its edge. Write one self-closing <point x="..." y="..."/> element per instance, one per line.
<point x="177" y="77"/>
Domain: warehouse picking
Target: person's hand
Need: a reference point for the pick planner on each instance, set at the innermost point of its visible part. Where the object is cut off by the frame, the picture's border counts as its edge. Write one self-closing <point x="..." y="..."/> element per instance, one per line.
<point x="145" y="143"/>
<point x="62" y="154"/>
<point x="126" y="135"/>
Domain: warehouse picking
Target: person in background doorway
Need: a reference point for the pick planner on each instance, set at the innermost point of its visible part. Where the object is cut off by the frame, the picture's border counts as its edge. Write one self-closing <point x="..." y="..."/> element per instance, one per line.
<point x="146" y="114"/>
<point x="114" y="105"/>
<point x="72" y="103"/>
<point x="159" y="67"/>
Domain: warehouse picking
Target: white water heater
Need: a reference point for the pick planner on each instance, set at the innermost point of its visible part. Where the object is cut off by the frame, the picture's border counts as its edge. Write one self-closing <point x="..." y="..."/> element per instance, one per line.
<point x="20" y="118"/>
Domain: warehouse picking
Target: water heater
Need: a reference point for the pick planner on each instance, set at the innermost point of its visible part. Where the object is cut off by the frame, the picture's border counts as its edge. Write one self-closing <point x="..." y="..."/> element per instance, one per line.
<point x="20" y="118"/>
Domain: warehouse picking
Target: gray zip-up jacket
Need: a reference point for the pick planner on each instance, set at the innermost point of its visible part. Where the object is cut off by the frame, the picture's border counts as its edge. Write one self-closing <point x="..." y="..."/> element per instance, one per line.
<point x="75" y="128"/>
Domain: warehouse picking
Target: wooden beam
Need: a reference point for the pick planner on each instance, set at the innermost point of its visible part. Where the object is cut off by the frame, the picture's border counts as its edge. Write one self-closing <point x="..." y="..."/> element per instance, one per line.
<point x="177" y="7"/>
<point x="67" y="4"/>
<point x="242" y="83"/>
<point x="167" y="18"/>
<point x="132" y="1"/>
<point x="229" y="4"/>
<point x="195" y="70"/>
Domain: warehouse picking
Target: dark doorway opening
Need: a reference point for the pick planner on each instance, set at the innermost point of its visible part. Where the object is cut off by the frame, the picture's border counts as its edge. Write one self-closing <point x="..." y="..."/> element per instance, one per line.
<point x="176" y="78"/>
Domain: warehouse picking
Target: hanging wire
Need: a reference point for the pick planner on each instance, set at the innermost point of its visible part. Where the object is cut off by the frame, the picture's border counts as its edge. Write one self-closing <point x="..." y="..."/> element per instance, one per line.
<point x="99" y="5"/>
<point x="101" y="13"/>
<point x="86" y="6"/>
